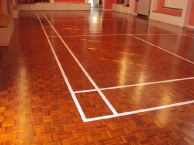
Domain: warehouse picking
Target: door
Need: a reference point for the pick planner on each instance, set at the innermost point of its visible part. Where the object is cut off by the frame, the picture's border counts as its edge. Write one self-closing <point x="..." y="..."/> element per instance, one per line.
<point x="144" y="7"/>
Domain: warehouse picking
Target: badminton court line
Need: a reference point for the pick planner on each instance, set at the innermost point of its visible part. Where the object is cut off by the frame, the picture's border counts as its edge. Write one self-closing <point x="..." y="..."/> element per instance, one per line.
<point x="114" y="35"/>
<point x="116" y="115"/>
<point x="84" y="71"/>
<point x="140" y="111"/>
<point x="163" y="49"/>
<point x="64" y="75"/>
<point x="134" y="35"/>
<point x="136" y="85"/>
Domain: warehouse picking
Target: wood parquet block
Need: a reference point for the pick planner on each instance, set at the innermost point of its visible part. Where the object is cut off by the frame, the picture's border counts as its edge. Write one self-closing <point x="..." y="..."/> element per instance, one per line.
<point x="163" y="97"/>
<point x="107" y="68"/>
<point x="93" y="107"/>
<point x="36" y="107"/>
<point x="185" y="42"/>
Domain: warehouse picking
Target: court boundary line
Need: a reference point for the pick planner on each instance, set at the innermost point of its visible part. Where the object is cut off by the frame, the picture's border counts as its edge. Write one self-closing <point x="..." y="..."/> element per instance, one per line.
<point x="64" y="75"/>
<point x="76" y="20"/>
<point x="140" y="111"/>
<point x="135" y="85"/>
<point x="124" y="113"/>
<point x="115" y="34"/>
<point x="152" y="24"/>
<point x="133" y="35"/>
<point x="84" y="71"/>
<point x="163" y="49"/>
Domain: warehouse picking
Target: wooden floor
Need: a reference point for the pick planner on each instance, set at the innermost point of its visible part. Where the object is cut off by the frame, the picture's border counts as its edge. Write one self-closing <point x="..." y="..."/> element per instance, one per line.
<point x="96" y="78"/>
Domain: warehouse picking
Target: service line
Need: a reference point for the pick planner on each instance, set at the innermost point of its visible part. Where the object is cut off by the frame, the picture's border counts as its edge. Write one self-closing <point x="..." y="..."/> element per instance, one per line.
<point x="134" y="35"/>
<point x="119" y="35"/>
<point x="136" y="85"/>
<point x="84" y="71"/>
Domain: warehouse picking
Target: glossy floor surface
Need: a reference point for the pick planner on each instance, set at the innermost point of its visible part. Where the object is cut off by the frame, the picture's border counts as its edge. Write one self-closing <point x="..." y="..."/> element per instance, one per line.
<point x="96" y="78"/>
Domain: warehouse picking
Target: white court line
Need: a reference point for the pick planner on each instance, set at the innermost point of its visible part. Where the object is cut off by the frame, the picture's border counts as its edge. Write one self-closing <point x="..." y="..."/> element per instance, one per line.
<point x="132" y="35"/>
<point x="116" y="34"/>
<point x="137" y="111"/>
<point x="84" y="71"/>
<point x="140" y="111"/>
<point x="75" y="20"/>
<point x="165" y="28"/>
<point x="163" y="49"/>
<point x="64" y="76"/>
<point x="136" y="85"/>
<point x="157" y="25"/>
<point x="65" y="20"/>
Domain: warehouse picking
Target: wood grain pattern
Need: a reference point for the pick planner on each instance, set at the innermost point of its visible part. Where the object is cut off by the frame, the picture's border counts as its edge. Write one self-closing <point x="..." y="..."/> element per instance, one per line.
<point x="36" y="107"/>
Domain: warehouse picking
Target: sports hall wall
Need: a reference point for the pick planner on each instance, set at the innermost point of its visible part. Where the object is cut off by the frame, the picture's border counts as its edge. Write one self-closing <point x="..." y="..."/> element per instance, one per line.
<point x="176" y="4"/>
<point x="108" y="4"/>
<point x="160" y="6"/>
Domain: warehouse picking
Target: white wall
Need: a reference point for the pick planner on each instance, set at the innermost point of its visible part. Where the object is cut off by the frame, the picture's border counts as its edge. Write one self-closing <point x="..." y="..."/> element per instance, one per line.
<point x="175" y="3"/>
<point x="175" y="20"/>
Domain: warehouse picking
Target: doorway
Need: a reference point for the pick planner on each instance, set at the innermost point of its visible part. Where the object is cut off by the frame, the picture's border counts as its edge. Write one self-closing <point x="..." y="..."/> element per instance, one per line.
<point x="92" y="4"/>
<point x="96" y="3"/>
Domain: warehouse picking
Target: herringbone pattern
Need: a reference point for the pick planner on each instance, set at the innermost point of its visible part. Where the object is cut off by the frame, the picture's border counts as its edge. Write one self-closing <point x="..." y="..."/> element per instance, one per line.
<point x="36" y="106"/>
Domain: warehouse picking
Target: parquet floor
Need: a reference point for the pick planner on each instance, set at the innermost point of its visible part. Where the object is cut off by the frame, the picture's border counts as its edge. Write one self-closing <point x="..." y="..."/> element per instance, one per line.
<point x="96" y="78"/>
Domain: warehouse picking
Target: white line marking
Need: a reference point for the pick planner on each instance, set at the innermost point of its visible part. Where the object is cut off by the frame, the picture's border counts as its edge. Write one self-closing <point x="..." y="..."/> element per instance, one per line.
<point x="132" y="35"/>
<point x="136" y="85"/>
<point x="78" y="20"/>
<point x="85" y="72"/>
<point x="115" y="34"/>
<point x="152" y="24"/>
<point x="125" y="113"/>
<point x="163" y="49"/>
<point x="64" y="75"/>
<point x="65" y="20"/>
<point x="140" y="111"/>
<point x="157" y="34"/>
<point x="86" y="91"/>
